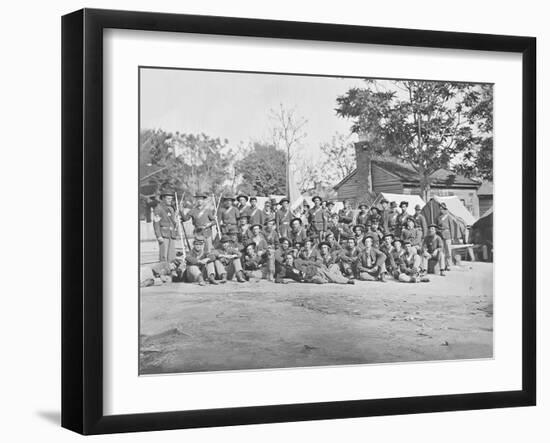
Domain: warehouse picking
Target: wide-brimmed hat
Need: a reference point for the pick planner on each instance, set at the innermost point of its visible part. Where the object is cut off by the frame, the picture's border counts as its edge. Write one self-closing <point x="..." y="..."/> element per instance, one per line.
<point x="375" y="207"/>
<point x="330" y="203"/>
<point x="316" y="197"/>
<point x="198" y="240"/>
<point x="418" y="207"/>
<point x="229" y="197"/>
<point x="242" y="196"/>
<point x="225" y="239"/>
<point x="393" y="205"/>
<point x="388" y="234"/>
<point x="200" y="195"/>
<point x="397" y="240"/>
<point x="443" y="205"/>
<point x="361" y="226"/>
<point x="383" y="201"/>
<point x="242" y="216"/>
<point x="325" y="243"/>
<point x="166" y="190"/>
<point x="256" y="224"/>
<point x="253" y="198"/>
<point x="283" y="239"/>
<point x="404" y="203"/>
<point x="363" y="205"/>
<point x="284" y="199"/>
<point x="296" y="219"/>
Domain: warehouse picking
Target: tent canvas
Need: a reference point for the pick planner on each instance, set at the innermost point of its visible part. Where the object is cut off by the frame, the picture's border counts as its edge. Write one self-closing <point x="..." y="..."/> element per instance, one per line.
<point x="412" y="200"/>
<point x="457" y="208"/>
<point x="482" y="230"/>
<point x="459" y="229"/>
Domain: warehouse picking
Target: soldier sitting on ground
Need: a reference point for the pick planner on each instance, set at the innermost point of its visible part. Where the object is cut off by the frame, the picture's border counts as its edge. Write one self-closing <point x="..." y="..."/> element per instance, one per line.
<point x="348" y="257"/>
<point x="270" y="233"/>
<point x="412" y="233"/>
<point x="329" y="267"/>
<point x="297" y="232"/>
<point x="159" y="273"/>
<point x="258" y="263"/>
<point x="387" y="248"/>
<point x="228" y="261"/>
<point x="433" y="250"/>
<point x="200" y="264"/>
<point x="409" y="269"/>
<point x="371" y="263"/>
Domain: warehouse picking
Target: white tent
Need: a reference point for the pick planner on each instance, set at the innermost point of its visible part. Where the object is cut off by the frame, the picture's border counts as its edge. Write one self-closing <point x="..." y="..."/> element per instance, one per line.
<point x="412" y="200"/>
<point x="457" y="208"/>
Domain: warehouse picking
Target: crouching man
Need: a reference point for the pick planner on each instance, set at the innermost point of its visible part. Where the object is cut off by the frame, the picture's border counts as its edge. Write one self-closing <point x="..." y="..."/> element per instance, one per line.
<point x="160" y="273"/>
<point x="200" y="264"/>
<point x="409" y="266"/>
<point x="371" y="263"/>
<point x="228" y="261"/>
<point x="258" y="262"/>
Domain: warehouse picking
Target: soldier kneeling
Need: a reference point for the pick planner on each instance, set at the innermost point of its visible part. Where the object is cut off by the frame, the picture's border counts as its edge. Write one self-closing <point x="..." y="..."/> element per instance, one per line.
<point x="228" y="261"/>
<point x="409" y="265"/>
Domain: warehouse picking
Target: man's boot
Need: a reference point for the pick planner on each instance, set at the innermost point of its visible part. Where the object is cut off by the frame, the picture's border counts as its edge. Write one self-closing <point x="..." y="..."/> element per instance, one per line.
<point x="240" y="277"/>
<point x="201" y="281"/>
<point x="212" y="280"/>
<point x="383" y="277"/>
<point x="223" y="279"/>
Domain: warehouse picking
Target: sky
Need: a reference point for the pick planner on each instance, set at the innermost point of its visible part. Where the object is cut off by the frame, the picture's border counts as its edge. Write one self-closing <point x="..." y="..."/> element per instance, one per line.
<point x="236" y="106"/>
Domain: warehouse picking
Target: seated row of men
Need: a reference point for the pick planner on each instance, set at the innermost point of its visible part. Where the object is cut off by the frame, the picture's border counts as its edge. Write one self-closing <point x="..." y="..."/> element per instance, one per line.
<point x="362" y="257"/>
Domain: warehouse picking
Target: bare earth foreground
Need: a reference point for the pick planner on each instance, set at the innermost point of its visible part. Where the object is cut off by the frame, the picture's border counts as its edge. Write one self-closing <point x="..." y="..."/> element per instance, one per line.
<point x="187" y="328"/>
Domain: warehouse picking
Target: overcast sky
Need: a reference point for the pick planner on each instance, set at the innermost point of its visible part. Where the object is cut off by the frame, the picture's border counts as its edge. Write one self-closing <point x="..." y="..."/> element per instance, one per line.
<point x="236" y="106"/>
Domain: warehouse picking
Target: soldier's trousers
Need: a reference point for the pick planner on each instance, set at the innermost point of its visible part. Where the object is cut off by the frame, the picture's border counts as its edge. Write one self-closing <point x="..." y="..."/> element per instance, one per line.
<point x="448" y="258"/>
<point x="167" y="250"/>
<point x="372" y="274"/>
<point x="332" y="274"/>
<point x="195" y="272"/>
<point x="229" y="269"/>
<point x="439" y="256"/>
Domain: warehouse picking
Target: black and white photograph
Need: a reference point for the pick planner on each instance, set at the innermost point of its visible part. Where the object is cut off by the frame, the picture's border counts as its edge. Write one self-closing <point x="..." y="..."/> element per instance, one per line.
<point x="291" y="221"/>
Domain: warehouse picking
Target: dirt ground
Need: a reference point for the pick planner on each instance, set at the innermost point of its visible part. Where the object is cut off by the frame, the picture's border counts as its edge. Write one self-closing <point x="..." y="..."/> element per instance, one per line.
<point x="188" y="328"/>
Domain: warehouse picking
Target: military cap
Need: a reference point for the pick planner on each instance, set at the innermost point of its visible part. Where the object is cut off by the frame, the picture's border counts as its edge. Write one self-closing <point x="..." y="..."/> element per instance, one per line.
<point x="296" y="218"/>
<point x="363" y="205"/>
<point x="253" y="198"/>
<point x="327" y="244"/>
<point x="406" y="242"/>
<point x="250" y="243"/>
<point x="383" y="201"/>
<point x="199" y="195"/>
<point x="360" y="226"/>
<point x="299" y="243"/>
<point x="225" y="239"/>
<point x="389" y="234"/>
<point x="242" y="196"/>
<point x="166" y="190"/>
<point x="316" y="197"/>
<point x="305" y="204"/>
<point x="229" y="197"/>
<point x="369" y="234"/>
<point x="242" y="216"/>
<point x="350" y="237"/>
<point x="393" y="205"/>
<point x="442" y="205"/>
<point x="199" y="240"/>
<point x="397" y="240"/>
<point x="330" y="203"/>
<point x="232" y="230"/>
<point x="375" y="207"/>
<point x="434" y="225"/>
<point x="404" y="203"/>
<point x="418" y="207"/>
<point x="283" y="239"/>
<point x="256" y="224"/>
<point x="284" y="199"/>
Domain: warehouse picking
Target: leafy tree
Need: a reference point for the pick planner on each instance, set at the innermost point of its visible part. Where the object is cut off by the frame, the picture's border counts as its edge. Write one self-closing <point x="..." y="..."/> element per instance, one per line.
<point x="191" y="163"/>
<point x="263" y="170"/>
<point x="425" y="124"/>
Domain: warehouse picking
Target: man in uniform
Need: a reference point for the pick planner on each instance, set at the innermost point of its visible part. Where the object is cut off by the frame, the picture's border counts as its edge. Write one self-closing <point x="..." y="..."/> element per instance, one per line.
<point x="374" y="216"/>
<point x="203" y="219"/>
<point x="335" y="247"/>
<point x="242" y="206"/>
<point x="243" y="228"/>
<point x="384" y="215"/>
<point x="330" y="209"/>
<point x="297" y="233"/>
<point x="392" y="219"/>
<point x="401" y="218"/>
<point x="420" y="220"/>
<point x="283" y="217"/>
<point x="409" y="271"/>
<point x="363" y="216"/>
<point x="345" y="215"/>
<point x="228" y="215"/>
<point x="165" y="224"/>
<point x="308" y="252"/>
<point x="371" y="263"/>
<point x="444" y="225"/>
<point x="270" y="233"/>
<point x="387" y="248"/>
<point x="159" y="273"/>
<point x="255" y="215"/>
<point x="375" y="232"/>
<point x="359" y="234"/>
<point x="397" y="254"/>
<point x="433" y="249"/>
<point x="412" y="233"/>
<point x="228" y="261"/>
<point x="200" y="264"/>
<point x="329" y="265"/>
<point x="317" y="220"/>
<point x="348" y="257"/>
<point x="267" y="212"/>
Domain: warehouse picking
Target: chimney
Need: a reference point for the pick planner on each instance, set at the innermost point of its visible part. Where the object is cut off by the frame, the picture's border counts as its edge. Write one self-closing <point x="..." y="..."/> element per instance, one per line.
<point x="364" y="171"/>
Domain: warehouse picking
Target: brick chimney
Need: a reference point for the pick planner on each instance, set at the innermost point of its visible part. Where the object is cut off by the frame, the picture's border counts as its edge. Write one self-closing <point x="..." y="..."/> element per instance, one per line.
<point x="364" y="171"/>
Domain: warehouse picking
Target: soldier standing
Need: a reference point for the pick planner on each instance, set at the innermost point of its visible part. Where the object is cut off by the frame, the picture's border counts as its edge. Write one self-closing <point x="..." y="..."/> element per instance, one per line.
<point x="203" y="219"/>
<point x="242" y="207"/>
<point x="165" y="225"/>
<point x="445" y="227"/>
<point x="268" y="213"/>
<point x="283" y="217"/>
<point x="363" y="216"/>
<point x="345" y="215"/>
<point x="384" y="215"/>
<point x="255" y="215"/>
<point x="270" y="233"/>
<point x="420" y="220"/>
<point x="392" y="219"/>
<point x="317" y="219"/>
<point x="228" y="215"/>
<point x="401" y="218"/>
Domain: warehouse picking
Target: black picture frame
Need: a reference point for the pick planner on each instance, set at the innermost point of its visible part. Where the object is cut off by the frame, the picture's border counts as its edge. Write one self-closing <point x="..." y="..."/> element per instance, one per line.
<point x="82" y="220"/>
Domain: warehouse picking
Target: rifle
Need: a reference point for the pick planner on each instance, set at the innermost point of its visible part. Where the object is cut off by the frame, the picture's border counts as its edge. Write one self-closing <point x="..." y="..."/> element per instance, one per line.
<point x="181" y="229"/>
<point x="216" y="207"/>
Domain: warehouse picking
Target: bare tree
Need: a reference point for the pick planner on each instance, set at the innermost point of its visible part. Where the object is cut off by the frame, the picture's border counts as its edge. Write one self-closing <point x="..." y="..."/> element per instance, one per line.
<point x="339" y="157"/>
<point x="288" y="133"/>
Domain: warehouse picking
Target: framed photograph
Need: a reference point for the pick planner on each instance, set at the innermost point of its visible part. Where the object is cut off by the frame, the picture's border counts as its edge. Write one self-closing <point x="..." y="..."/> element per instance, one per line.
<point x="269" y="221"/>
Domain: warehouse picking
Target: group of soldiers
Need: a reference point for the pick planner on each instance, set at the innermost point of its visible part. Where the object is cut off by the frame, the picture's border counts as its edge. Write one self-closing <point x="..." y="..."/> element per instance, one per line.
<point x="311" y="245"/>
